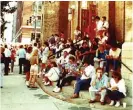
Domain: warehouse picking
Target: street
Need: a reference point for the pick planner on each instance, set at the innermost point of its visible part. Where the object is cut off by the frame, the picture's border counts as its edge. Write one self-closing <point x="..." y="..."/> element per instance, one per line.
<point x="16" y="96"/>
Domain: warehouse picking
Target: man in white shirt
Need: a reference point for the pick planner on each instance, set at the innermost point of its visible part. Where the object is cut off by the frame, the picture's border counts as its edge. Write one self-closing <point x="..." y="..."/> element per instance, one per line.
<point x="7" y="59"/>
<point x="105" y="24"/>
<point x="113" y="57"/>
<point x="63" y="59"/>
<point x="88" y="75"/>
<point x="99" y="23"/>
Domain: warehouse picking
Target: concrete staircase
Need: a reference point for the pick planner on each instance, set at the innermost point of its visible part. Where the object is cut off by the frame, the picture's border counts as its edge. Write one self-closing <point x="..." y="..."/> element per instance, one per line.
<point x="67" y="92"/>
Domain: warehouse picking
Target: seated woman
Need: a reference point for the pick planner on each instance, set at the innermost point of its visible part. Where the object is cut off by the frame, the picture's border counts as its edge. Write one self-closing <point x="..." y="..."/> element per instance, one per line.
<point x="52" y="74"/>
<point x="70" y="75"/>
<point x="117" y="89"/>
<point x="83" y="82"/>
<point x="101" y="56"/>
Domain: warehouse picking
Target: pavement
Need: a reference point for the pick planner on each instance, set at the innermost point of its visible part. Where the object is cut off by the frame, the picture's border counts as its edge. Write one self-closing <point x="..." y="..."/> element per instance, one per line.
<point x="16" y="96"/>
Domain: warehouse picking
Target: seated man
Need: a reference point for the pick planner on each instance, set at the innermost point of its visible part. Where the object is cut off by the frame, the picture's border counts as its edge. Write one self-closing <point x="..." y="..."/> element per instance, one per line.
<point x="71" y="74"/>
<point x="63" y="60"/>
<point x="88" y="74"/>
<point x="101" y="56"/>
<point x="98" y="86"/>
<point x="113" y="57"/>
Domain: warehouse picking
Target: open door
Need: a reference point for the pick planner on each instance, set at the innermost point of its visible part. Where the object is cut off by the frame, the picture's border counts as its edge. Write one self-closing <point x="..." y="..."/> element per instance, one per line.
<point x="88" y="24"/>
<point x="84" y="20"/>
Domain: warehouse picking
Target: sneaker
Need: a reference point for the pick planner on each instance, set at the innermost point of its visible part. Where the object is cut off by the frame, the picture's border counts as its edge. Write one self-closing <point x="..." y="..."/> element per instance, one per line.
<point x="27" y="83"/>
<point x="117" y="104"/>
<point x="57" y="90"/>
<point x="111" y="103"/>
<point x="46" y="83"/>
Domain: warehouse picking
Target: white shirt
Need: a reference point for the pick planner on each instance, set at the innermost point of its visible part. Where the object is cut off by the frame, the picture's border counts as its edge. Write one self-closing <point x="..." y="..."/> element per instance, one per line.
<point x="120" y="85"/>
<point x="99" y="25"/>
<point x="103" y="40"/>
<point x="46" y="52"/>
<point x="116" y="53"/>
<point x="63" y="60"/>
<point x="105" y="24"/>
<point x="77" y="32"/>
<point x="89" y="73"/>
<point x="7" y="52"/>
<point x="28" y="56"/>
<point x="53" y="74"/>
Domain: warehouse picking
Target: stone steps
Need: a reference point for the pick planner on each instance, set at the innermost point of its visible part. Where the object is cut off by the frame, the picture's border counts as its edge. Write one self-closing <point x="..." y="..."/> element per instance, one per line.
<point x="67" y="92"/>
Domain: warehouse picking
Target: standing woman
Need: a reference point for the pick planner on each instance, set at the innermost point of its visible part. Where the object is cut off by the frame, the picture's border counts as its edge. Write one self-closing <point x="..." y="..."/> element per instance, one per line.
<point x="45" y="54"/>
<point x="34" y="61"/>
<point x="13" y="53"/>
<point x="2" y="65"/>
<point x="27" y="65"/>
<point x="117" y="89"/>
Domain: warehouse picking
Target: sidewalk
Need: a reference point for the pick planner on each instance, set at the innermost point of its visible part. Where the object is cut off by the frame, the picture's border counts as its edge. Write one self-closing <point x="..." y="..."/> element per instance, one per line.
<point x="16" y="96"/>
<point x="67" y="91"/>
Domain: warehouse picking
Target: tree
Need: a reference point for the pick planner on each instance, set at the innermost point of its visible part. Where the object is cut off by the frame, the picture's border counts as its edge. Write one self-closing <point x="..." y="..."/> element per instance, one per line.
<point x="5" y="8"/>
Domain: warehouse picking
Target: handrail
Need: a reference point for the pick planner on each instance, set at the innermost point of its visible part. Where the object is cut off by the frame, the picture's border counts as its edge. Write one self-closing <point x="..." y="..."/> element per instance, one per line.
<point x="63" y="49"/>
<point x="127" y="67"/>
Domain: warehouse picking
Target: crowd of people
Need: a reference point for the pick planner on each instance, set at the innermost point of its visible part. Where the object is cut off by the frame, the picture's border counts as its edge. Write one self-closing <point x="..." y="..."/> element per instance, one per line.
<point x="64" y="60"/>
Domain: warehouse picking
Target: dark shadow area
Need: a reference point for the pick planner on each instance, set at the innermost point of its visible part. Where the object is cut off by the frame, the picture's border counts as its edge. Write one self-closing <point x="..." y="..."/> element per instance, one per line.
<point x="34" y="88"/>
<point x="38" y="95"/>
<point x="84" y="108"/>
<point x="44" y="97"/>
<point x="41" y="96"/>
<point x="73" y="108"/>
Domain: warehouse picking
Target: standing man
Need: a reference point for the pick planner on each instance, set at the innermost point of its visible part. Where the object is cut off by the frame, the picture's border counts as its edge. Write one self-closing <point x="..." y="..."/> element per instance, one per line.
<point x="2" y="65"/>
<point x="99" y="24"/>
<point x="98" y="86"/>
<point x="7" y="59"/>
<point x="22" y="55"/>
<point x="105" y="24"/>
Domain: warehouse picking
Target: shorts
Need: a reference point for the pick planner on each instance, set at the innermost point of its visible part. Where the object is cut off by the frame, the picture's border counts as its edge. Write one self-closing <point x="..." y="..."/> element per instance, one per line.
<point x="34" y="69"/>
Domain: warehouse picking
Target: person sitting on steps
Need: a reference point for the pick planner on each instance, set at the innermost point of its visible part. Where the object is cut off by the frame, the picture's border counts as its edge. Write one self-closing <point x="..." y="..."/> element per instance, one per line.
<point x="98" y="86"/>
<point x="117" y="89"/>
<point x="88" y="75"/>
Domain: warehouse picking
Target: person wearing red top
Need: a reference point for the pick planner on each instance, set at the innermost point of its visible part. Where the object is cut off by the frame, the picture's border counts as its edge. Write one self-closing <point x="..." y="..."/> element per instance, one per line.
<point x="13" y="53"/>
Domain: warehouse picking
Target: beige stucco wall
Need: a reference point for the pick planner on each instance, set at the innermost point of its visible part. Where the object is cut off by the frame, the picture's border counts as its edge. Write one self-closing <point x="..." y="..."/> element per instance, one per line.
<point x="50" y="19"/>
<point x="127" y="48"/>
<point x="119" y="20"/>
<point x="103" y="9"/>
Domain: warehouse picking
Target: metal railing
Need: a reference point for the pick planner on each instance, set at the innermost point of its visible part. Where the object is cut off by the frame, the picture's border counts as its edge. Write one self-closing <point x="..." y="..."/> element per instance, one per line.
<point x="126" y="67"/>
<point x="63" y="49"/>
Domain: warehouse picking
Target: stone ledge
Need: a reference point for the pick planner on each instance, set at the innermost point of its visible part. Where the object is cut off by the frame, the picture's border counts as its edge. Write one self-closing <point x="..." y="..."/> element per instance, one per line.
<point x="83" y="100"/>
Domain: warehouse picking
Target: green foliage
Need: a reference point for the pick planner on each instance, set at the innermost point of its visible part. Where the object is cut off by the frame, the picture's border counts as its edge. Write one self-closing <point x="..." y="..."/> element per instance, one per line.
<point x="5" y="8"/>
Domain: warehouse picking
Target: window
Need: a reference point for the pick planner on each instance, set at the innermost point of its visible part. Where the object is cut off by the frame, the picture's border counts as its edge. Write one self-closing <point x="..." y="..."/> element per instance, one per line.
<point x="37" y="4"/>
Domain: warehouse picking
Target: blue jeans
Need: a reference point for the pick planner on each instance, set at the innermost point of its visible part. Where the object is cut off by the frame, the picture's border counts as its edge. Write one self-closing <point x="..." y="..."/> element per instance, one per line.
<point x="111" y="61"/>
<point x="82" y="84"/>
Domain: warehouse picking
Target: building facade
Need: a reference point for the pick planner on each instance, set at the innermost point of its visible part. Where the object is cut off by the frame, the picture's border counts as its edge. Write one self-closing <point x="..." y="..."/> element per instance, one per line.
<point x="65" y="16"/>
<point x="28" y="21"/>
